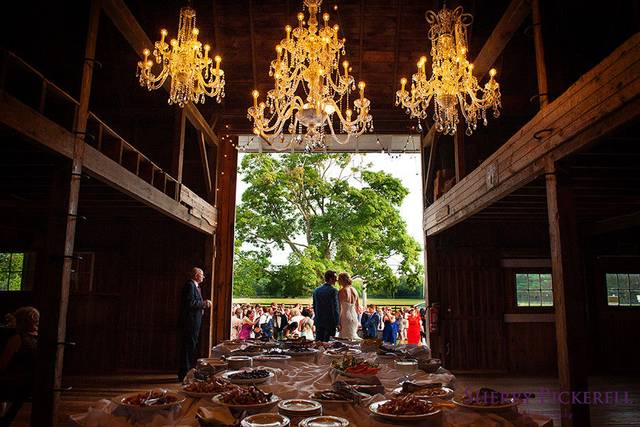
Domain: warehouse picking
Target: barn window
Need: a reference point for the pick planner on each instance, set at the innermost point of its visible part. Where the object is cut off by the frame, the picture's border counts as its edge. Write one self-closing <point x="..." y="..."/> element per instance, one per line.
<point x="623" y="289"/>
<point x="534" y="290"/>
<point x="11" y="270"/>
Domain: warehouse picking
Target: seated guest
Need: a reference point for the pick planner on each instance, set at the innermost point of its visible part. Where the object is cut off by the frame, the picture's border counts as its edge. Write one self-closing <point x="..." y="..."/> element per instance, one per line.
<point x="17" y="363"/>
<point x="370" y="321"/>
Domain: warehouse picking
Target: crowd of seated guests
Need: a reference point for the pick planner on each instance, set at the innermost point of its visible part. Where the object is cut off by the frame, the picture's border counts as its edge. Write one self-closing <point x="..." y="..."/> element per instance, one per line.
<point x="17" y="361"/>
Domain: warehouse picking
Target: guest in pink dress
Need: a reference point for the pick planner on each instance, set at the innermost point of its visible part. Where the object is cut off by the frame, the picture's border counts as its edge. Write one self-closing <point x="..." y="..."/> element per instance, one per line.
<point x="247" y="326"/>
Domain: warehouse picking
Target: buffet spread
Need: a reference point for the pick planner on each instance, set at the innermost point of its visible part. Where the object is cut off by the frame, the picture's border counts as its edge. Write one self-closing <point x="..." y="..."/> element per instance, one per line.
<point x="312" y="384"/>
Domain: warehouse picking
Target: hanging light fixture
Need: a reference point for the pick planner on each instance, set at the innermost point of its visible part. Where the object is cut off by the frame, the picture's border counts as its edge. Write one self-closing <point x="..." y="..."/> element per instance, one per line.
<point x="310" y="89"/>
<point x="193" y="73"/>
<point x="452" y="83"/>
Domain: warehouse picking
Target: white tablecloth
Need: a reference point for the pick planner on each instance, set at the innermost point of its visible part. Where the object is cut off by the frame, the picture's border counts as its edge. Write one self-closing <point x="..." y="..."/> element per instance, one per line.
<point x="300" y="380"/>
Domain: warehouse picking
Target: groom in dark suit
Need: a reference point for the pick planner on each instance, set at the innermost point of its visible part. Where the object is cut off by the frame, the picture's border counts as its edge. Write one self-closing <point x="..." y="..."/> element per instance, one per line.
<point x="326" y="307"/>
<point x="192" y="308"/>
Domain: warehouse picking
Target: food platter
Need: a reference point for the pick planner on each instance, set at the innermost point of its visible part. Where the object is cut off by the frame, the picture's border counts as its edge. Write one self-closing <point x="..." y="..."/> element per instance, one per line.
<point x="265" y="420"/>
<point x="427" y="392"/>
<point x="375" y="409"/>
<point x="253" y="408"/>
<point x="508" y="403"/>
<point x="200" y="389"/>
<point x="236" y="376"/>
<point x="324" y="421"/>
<point x="171" y="398"/>
<point x="342" y="352"/>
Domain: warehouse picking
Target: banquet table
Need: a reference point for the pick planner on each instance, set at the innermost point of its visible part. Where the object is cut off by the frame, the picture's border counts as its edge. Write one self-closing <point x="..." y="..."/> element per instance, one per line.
<point x="299" y="380"/>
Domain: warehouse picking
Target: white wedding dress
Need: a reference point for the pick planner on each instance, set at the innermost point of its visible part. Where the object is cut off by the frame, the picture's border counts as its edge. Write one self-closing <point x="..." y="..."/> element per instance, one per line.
<point x="348" y="321"/>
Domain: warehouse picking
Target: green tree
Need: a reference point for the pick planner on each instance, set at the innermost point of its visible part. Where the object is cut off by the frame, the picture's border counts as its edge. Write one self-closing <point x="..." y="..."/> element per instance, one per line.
<point x="329" y="213"/>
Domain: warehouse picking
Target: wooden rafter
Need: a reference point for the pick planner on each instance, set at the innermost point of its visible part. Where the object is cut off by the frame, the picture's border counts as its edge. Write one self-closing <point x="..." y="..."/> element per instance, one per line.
<point x="205" y="163"/>
<point x="396" y="43"/>
<point x="603" y="99"/>
<point x="253" y="46"/>
<point x="129" y="27"/>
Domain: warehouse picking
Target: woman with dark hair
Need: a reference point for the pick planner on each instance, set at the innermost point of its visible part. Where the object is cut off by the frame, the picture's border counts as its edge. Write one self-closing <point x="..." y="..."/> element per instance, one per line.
<point x="17" y="362"/>
<point x="306" y="326"/>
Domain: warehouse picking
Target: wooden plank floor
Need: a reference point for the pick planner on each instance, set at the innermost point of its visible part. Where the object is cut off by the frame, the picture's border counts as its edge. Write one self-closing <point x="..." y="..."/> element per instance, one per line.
<point x="89" y="389"/>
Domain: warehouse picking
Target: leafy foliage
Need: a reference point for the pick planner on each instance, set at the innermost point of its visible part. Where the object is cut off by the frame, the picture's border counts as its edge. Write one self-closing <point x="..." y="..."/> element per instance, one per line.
<point x="331" y="214"/>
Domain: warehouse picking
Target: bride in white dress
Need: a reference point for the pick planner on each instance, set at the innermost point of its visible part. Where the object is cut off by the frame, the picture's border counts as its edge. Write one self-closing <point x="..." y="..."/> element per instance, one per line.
<point x="349" y="308"/>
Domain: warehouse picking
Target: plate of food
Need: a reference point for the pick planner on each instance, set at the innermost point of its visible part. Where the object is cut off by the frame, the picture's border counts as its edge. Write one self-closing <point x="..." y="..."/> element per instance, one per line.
<point x="265" y="420"/>
<point x="152" y="400"/>
<point x="424" y="390"/>
<point x="355" y="367"/>
<point x="209" y="388"/>
<point x="486" y="400"/>
<point x="343" y="351"/>
<point x="404" y="408"/>
<point x="250" y="350"/>
<point x="252" y="399"/>
<point x="248" y="376"/>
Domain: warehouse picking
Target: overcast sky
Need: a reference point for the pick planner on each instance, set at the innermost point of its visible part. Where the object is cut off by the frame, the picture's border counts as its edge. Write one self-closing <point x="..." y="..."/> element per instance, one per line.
<point x="405" y="167"/>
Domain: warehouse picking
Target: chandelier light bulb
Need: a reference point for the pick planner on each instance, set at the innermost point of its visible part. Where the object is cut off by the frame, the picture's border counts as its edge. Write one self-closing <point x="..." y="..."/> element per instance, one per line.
<point x="492" y="72"/>
<point x="185" y="61"/>
<point x="452" y="86"/>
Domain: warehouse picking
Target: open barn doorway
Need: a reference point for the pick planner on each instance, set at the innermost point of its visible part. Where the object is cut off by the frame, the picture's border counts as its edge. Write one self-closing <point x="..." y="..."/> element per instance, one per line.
<point x="355" y="208"/>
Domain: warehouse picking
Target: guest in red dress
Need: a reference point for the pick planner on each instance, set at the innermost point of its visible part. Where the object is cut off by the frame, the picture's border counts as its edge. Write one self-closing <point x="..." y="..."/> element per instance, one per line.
<point x="413" y="331"/>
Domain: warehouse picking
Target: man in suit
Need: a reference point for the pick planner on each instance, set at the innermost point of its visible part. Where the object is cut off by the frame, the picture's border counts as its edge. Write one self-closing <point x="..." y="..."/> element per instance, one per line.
<point x="370" y="321"/>
<point x="192" y="308"/>
<point x="326" y="307"/>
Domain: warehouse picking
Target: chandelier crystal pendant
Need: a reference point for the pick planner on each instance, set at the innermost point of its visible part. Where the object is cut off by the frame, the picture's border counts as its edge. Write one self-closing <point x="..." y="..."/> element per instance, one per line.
<point x="193" y="73"/>
<point x="452" y="83"/>
<point x="312" y="88"/>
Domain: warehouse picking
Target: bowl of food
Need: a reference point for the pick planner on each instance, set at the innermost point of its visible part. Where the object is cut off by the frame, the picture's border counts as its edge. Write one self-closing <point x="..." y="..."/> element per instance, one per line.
<point x="344" y="351"/>
<point x="405" y="408"/>
<point x="199" y="389"/>
<point x="302" y="354"/>
<point x="265" y="420"/>
<point x="248" y="376"/>
<point x="324" y="421"/>
<point x="238" y="362"/>
<point x="406" y="366"/>
<point x="252" y="400"/>
<point x="430" y="366"/>
<point x="152" y="400"/>
<point x="272" y="360"/>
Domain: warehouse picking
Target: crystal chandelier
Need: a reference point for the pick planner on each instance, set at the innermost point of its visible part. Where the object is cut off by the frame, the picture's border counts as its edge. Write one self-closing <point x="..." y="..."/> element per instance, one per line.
<point x="310" y="89"/>
<point x="452" y="83"/>
<point x="187" y="62"/>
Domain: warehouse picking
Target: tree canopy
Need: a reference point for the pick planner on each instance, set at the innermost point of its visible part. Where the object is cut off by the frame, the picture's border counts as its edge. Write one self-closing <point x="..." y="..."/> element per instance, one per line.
<point x="331" y="214"/>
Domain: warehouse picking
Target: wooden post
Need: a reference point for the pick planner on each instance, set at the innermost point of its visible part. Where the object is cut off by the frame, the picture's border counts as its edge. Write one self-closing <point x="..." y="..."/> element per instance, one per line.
<point x="52" y="292"/>
<point x="458" y="149"/>
<point x="541" y="70"/>
<point x="429" y="275"/>
<point x="432" y="139"/>
<point x="227" y="159"/>
<point x="177" y="157"/>
<point x="568" y="296"/>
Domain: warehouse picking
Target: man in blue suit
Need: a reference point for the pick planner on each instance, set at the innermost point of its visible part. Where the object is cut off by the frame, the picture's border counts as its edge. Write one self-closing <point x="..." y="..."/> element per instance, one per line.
<point x="370" y="321"/>
<point x="326" y="307"/>
<point x="192" y="308"/>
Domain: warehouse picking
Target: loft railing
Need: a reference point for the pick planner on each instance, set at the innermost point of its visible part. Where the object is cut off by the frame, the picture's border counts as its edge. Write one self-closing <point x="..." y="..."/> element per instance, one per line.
<point x="28" y="85"/>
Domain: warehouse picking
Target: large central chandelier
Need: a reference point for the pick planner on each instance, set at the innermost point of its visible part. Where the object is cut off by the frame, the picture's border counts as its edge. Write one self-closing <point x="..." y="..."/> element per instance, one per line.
<point x="187" y="62"/>
<point x="310" y="89"/>
<point x="452" y="83"/>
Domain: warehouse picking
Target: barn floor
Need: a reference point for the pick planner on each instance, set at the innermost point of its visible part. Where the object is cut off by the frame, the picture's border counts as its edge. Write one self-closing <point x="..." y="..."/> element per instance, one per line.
<point x="88" y="389"/>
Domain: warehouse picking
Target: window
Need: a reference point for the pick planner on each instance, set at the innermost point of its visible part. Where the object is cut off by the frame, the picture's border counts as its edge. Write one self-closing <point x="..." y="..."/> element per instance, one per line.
<point x="11" y="268"/>
<point x="534" y="290"/>
<point x="623" y="289"/>
<point x="82" y="273"/>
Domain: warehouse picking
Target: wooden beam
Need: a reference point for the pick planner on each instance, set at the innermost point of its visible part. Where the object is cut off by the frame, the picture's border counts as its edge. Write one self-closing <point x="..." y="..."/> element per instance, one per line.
<point x="53" y="298"/>
<point x="224" y="244"/>
<point x="396" y="43"/>
<point x="431" y="139"/>
<point x="602" y="100"/>
<point x="253" y="46"/>
<point x="204" y="156"/>
<point x="541" y="69"/>
<point x="361" y="53"/>
<point x="569" y="300"/>
<point x="129" y="27"/>
<point x="37" y="127"/>
<point x="177" y="157"/>
<point x="620" y="222"/>
<point x="511" y="20"/>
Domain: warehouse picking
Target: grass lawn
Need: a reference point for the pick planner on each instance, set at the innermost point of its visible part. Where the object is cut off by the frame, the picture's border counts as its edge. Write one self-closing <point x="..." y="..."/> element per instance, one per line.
<point x="377" y="301"/>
